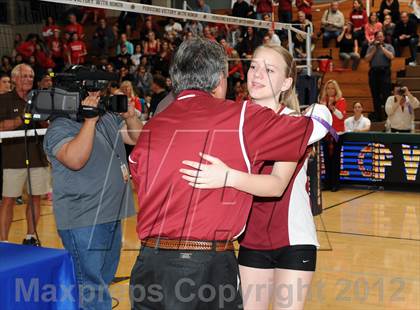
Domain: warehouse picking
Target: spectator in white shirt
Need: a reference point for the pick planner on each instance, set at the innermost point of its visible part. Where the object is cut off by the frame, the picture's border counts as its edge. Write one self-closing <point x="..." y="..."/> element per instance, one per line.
<point x="357" y="122"/>
<point x="274" y="38"/>
<point x="415" y="5"/>
<point x="173" y="27"/>
<point x="135" y="58"/>
<point x="400" y="109"/>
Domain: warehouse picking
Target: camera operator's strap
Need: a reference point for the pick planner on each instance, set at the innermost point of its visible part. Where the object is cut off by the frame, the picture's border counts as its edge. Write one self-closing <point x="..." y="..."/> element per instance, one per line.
<point x="108" y="141"/>
<point x="89" y="112"/>
<point x="52" y="94"/>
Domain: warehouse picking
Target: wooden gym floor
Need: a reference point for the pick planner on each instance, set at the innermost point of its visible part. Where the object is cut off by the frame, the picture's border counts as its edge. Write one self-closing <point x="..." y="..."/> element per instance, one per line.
<point x="369" y="256"/>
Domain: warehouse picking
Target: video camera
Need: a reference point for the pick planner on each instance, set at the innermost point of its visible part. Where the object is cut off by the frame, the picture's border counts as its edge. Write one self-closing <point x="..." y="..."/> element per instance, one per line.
<point x="71" y="88"/>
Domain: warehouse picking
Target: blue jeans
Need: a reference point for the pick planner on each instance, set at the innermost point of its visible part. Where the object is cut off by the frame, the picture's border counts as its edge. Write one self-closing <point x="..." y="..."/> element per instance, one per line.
<point x="412" y="43"/>
<point x="328" y="35"/>
<point x="96" y="252"/>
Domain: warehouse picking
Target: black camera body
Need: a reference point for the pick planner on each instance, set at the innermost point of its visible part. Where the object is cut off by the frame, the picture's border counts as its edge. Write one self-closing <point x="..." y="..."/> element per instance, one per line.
<point x="71" y="89"/>
<point x="401" y="90"/>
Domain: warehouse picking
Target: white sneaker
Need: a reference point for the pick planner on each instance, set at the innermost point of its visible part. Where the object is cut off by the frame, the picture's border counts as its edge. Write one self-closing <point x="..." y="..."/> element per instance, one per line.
<point x="412" y="63"/>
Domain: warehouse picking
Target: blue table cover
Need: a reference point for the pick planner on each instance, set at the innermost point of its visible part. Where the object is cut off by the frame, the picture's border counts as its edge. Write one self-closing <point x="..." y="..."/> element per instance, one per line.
<point x="36" y="278"/>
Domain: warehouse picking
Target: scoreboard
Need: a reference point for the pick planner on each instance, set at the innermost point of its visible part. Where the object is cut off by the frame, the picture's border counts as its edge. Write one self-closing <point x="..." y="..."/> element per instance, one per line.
<point x="381" y="159"/>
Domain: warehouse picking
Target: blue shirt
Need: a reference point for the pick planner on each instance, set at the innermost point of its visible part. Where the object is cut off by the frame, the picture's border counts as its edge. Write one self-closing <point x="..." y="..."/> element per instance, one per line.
<point x="97" y="193"/>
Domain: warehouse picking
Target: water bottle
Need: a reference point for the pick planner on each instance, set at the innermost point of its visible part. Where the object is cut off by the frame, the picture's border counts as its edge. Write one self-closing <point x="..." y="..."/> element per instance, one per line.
<point x="413" y="126"/>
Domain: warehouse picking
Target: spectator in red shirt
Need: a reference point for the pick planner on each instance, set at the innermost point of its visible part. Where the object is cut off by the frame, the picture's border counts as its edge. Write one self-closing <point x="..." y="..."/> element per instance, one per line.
<point x="57" y="50"/>
<point x="236" y="69"/>
<point x="263" y="7"/>
<point x="235" y="74"/>
<point x="42" y="58"/>
<point x="74" y="27"/>
<point x="77" y="50"/>
<point x="285" y="11"/>
<point x="49" y="28"/>
<point x="229" y="50"/>
<point x="197" y="227"/>
<point x="56" y="45"/>
<point x="306" y="7"/>
<point x="372" y="27"/>
<point x="27" y="48"/>
<point x="238" y="92"/>
<point x="333" y="98"/>
<point x="359" y="19"/>
<point x="152" y="45"/>
<point x="18" y="40"/>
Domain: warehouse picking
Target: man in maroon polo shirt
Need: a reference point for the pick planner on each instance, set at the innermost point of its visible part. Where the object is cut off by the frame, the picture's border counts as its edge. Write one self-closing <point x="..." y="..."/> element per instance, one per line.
<point x="187" y="259"/>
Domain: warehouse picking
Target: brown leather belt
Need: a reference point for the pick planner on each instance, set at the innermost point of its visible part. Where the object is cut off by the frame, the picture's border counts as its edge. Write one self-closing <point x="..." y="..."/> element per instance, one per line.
<point x="189" y="245"/>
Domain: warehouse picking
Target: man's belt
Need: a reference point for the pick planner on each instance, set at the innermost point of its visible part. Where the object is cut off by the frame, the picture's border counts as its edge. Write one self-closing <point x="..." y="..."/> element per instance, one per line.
<point x="189" y="245"/>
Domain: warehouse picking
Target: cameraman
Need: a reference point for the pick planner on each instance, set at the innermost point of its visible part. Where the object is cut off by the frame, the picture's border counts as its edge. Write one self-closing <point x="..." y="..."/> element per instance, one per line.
<point x="380" y="54"/>
<point x="400" y="109"/>
<point x="92" y="193"/>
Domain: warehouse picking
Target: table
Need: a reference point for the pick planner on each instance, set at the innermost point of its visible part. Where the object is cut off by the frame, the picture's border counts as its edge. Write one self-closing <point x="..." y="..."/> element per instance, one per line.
<point x="36" y="278"/>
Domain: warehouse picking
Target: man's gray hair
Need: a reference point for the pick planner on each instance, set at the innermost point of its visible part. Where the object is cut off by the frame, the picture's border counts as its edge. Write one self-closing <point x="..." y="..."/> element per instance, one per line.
<point x="197" y="64"/>
<point x="16" y="71"/>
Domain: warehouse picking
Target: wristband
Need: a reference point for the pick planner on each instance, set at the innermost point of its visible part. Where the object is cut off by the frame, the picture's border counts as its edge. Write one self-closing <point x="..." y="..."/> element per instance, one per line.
<point x="327" y="126"/>
<point x="89" y="112"/>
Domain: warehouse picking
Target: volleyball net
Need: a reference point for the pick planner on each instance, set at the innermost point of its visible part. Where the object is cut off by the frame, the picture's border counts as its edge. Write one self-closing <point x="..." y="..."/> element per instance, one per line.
<point x="288" y="30"/>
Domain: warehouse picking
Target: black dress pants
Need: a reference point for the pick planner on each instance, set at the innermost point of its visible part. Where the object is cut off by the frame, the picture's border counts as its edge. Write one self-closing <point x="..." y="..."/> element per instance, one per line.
<point x="380" y="88"/>
<point x="185" y="280"/>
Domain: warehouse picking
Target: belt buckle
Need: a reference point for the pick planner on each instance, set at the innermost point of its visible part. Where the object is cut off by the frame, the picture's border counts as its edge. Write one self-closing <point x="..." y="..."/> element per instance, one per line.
<point x="214" y="245"/>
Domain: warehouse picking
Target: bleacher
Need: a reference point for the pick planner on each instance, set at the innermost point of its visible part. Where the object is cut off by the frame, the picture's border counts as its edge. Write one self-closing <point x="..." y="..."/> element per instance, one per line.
<point x="355" y="84"/>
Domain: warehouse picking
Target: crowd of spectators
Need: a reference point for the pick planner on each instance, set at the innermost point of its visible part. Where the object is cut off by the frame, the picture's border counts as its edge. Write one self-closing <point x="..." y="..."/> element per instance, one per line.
<point x="143" y="45"/>
<point x="136" y="47"/>
<point x="139" y="48"/>
<point x="399" y="28"/>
